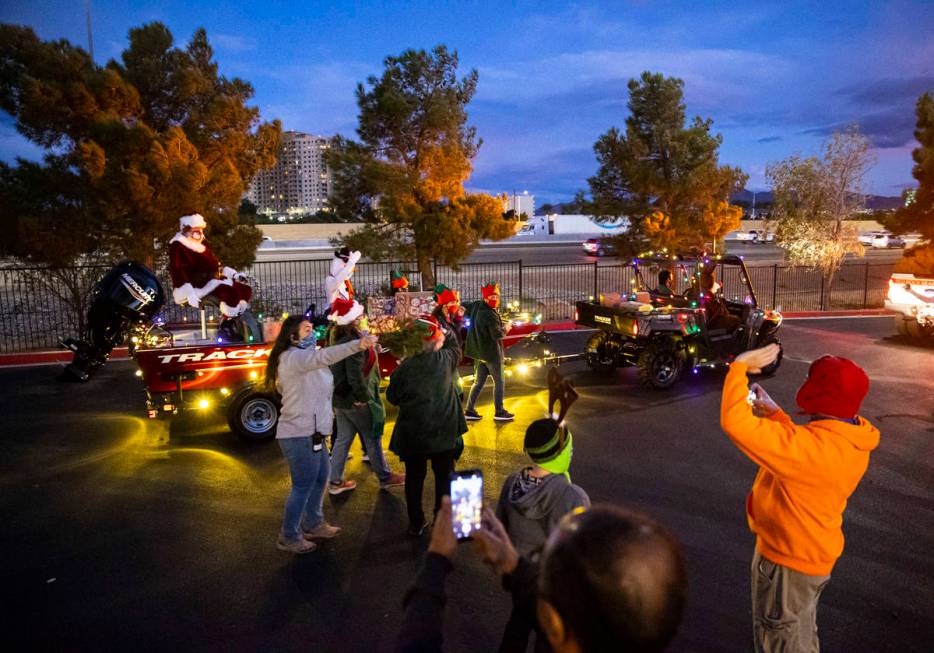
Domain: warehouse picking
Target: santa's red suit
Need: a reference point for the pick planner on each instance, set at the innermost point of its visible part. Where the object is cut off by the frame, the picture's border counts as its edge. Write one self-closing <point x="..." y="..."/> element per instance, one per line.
<point x="196" y="273"/>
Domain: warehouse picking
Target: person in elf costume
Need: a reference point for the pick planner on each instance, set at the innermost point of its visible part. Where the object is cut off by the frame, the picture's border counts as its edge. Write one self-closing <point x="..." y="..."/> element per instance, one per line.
<point x="196" y="273"/>
<point x="484" y="344"/>
<point x="357" y="404"/>
<point x="535" y="498"/>
<point x="448" y="311"/>
<point x="337" y="284"/>
<point x="430" y="424"/>
<point x="398" y="281"/>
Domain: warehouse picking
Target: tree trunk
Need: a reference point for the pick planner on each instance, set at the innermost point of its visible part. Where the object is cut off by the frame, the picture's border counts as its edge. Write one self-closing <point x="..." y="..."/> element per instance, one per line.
<point x="828" y="286"/>
<point x="425" y="269"/>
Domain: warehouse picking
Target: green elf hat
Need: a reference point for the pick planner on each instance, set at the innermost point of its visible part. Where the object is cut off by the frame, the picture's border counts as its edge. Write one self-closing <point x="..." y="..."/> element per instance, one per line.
<point x="444" y="295"/>
<point x="397" y="279"/>
<point x="548" y="441"/>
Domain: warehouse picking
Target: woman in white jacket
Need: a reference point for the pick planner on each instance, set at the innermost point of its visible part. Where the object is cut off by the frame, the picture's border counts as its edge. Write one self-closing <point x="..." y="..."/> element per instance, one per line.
<point x="301" y="374"/>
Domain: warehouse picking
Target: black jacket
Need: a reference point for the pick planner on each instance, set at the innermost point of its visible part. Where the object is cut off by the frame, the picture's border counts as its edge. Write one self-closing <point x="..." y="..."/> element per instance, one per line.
<point x="422" y="628"/>
<point x="430" y="419"/>
<point x="350" y="384"/>
<point x="485" y="333"/>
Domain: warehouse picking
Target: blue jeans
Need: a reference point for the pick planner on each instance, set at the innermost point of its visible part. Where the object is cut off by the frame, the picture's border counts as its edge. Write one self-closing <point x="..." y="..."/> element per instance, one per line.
<point x="481" y="370"/>
<point x="309" y="470"/>
<point x="351" y="421"/>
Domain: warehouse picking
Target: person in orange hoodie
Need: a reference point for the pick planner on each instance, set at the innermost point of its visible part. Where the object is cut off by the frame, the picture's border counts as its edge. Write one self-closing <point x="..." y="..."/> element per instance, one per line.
<point x="806" y="474"/>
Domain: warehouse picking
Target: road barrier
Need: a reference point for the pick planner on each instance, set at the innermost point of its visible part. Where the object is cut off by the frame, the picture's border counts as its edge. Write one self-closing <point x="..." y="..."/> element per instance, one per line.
<point x="39" y="306"/>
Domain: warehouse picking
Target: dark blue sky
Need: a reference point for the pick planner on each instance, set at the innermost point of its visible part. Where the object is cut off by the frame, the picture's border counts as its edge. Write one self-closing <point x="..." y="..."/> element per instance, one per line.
<point x="776" y="77"/>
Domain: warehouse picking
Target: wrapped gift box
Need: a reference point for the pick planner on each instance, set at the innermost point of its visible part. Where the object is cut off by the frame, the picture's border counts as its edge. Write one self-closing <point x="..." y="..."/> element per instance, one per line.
<point x="409" y="305"/>
<point x="377" y="307"/>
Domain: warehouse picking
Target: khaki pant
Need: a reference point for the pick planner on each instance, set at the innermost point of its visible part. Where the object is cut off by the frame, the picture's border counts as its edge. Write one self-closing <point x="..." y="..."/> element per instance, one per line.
<point x="784" y="608"/>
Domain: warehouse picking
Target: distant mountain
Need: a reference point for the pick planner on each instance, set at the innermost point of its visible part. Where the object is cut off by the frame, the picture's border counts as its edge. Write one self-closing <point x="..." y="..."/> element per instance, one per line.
<point x="764" y="198"/>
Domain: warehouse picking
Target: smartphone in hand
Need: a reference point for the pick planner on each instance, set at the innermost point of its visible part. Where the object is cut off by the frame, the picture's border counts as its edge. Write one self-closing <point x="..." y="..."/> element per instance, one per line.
<point x="466" y="501"/>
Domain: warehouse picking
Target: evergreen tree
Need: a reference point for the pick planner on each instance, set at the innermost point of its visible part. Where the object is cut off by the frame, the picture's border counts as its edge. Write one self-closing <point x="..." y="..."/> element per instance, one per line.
<point x="405" y="177"/>
<point x="918" y="212"/>
<point x="130" y="147"/>
<point x="662" y="174"/>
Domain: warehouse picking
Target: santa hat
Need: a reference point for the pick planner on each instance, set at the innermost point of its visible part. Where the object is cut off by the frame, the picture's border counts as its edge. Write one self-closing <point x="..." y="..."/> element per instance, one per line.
<point x="193" y="220"/>
<point x="342" y="258"/>
<point x="397" y="280"/>
<point x="835" y="386"/>
<point x="492" y="288"/>
<point x="444" y="295"/>
<point x="430" y="326"/>
<point x="344" y="311"/>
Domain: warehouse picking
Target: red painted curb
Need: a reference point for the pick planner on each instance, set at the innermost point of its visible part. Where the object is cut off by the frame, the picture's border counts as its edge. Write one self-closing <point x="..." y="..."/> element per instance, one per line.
<point x="49" y="357"/>
<point x="867" y="312"/>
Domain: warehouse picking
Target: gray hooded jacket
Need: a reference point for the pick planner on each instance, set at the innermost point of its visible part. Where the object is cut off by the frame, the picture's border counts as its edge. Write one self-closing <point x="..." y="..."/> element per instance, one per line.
<point x="530" y="510"/>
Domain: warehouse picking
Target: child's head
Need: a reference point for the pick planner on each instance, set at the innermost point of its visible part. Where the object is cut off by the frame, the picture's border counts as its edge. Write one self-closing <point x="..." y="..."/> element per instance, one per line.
<point x="549" y="445"/>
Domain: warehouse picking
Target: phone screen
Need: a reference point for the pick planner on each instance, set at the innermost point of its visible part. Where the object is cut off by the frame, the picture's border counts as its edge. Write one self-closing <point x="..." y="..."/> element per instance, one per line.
<point x="466" y="501"/>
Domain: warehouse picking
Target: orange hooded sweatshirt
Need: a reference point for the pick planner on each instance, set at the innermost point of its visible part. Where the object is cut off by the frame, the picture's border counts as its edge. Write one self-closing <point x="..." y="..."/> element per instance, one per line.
<point x="806" y="474"/>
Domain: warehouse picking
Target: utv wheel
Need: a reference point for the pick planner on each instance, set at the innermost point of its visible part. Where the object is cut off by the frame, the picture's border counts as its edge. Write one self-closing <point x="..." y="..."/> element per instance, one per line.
<point x="659" y="367"/>
<point x="253" y="415"/>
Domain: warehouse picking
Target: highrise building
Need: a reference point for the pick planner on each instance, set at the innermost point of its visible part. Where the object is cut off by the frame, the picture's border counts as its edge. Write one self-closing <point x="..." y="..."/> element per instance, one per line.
<point x="523" y="205"/>
<point x="300" y="181"/>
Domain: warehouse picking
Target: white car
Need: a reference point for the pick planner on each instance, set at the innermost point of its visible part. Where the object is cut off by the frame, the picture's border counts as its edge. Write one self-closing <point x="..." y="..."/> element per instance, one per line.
<point x="755" y="236"/>
<point x="881" y="239"/>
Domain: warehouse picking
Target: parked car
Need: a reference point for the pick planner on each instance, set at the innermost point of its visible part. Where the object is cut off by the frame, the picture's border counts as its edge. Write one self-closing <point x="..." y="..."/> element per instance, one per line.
<point x="599" y="247"/>
<point x="881" y="239"/>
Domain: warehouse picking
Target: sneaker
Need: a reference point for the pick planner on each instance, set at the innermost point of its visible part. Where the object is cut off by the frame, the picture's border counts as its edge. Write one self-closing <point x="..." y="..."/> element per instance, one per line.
<point x="503" y="416"/>
<point x="417" y="531"/>
<point x="341" y="486"/>
<point x="472" y="415"/>
<point x="323" y="531"/>
<point x="366" y="457"/>
<point x="394" y="480"/>
<point x="299" y="547"/>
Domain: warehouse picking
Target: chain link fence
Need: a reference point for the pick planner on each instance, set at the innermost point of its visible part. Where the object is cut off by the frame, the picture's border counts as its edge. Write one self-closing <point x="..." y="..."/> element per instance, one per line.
<point x="39" y="307"/>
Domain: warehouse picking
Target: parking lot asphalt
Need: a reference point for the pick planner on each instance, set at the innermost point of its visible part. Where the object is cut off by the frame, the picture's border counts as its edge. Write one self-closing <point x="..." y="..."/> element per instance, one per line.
<point x="123" y="533"/>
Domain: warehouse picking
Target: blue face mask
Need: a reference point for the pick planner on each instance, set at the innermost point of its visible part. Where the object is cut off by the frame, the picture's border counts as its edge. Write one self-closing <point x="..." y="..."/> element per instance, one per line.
<point x="308" y="341"/>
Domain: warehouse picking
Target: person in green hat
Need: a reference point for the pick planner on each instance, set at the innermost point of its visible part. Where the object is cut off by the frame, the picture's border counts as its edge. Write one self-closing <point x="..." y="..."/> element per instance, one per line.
<point x="535" y="499"/>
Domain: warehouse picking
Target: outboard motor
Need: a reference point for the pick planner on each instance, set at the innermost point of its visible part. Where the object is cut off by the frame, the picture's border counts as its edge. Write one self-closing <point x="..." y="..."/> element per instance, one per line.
<point x="129" y="294"/>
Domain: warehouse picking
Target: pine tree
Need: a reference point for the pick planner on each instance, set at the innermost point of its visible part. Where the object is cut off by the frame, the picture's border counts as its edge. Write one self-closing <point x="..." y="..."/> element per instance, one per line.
<point x="918" y="212"/>
<point x="405" y="177"/>
<point x="663" y="174"/>
<point x="130" y="147"/>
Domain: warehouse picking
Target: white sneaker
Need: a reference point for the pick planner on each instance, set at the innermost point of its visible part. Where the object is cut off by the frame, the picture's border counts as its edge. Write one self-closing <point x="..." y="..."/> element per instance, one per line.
<point x="299" y="547"/>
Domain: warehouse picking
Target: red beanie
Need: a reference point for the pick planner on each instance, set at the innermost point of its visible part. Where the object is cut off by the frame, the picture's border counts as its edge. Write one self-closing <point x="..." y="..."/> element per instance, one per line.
<point x="835" y="386"/>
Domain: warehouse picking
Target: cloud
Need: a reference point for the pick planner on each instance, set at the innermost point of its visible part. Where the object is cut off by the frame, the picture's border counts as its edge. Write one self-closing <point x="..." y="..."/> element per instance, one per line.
<point x="892" y="128"/>
<point x="235" y="44"/>
<point x="769" y="139"/>
<point x="889" y="91"/>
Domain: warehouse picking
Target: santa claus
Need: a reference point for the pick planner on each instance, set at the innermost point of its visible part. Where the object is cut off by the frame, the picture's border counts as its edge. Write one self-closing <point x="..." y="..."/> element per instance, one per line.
<point x="196" y="274"/>
<point x="337" y="284"/>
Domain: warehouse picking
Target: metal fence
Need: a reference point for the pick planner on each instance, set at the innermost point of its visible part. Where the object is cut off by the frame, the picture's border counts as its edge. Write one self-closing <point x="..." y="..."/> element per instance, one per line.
<point x="38" y="307"/>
